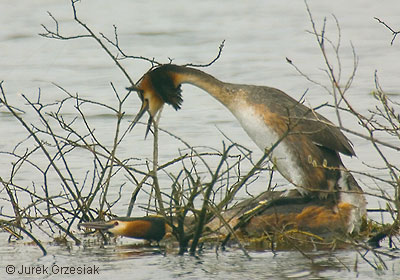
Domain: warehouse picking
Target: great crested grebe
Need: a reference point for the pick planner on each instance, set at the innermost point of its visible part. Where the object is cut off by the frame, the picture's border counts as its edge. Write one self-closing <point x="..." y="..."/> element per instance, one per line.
<point x="150" y="228"/>
<point x="308" y="154"/>
<point x="268" y="213"/>
<point x="261" y="215"/>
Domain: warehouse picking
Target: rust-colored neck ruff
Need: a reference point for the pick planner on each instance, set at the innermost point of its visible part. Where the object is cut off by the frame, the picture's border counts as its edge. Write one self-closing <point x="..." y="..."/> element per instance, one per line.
<point x="166" y="81"/>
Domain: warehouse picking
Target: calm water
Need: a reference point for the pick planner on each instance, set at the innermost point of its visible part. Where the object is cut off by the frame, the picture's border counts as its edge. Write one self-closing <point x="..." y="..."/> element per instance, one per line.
<point x="259" y="36"/>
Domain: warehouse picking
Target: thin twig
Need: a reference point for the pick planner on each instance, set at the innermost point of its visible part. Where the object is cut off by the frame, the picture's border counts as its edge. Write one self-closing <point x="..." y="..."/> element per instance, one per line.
<point x="394" y="33"/>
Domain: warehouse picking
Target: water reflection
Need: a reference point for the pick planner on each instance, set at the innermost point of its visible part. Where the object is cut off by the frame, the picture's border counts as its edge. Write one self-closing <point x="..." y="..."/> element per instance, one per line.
<point x="130" y="259"/>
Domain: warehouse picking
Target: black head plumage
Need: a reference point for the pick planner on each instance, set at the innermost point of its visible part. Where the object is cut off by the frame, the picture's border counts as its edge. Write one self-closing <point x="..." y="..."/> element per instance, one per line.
<point x="163" y="83"/>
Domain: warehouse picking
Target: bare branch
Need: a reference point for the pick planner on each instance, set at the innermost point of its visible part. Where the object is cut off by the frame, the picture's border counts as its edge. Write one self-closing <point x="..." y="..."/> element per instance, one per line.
<point x="394" y="33"/>
<point x="221" y="46"/>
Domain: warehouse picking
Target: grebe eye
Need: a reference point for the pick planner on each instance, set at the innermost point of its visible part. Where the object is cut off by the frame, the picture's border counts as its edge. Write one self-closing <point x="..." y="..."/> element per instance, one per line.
<point x="116" y="223"/>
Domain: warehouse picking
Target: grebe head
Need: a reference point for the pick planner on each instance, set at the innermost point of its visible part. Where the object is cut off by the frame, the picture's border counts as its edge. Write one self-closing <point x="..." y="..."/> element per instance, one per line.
<point x="148" y="227"/>
<point x="158" y="86"/>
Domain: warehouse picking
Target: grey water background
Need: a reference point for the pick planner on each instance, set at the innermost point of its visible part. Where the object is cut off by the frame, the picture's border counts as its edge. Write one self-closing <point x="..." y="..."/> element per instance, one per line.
<point x="258" y="35"/>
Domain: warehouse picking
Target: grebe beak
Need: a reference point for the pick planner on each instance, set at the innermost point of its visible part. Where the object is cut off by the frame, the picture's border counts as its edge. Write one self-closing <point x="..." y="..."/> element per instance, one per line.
<point x="144" y="108"/>
<point x="139" y="115"/>
<point x="101" y="225"/>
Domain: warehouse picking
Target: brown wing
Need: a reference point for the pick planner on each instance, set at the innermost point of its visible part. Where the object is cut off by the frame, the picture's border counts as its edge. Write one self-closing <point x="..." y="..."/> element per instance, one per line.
<point x="305" y="121"/>
<point x="324" y="133"/>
